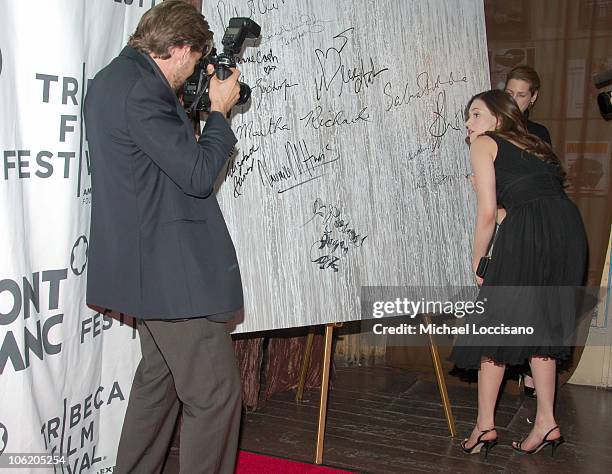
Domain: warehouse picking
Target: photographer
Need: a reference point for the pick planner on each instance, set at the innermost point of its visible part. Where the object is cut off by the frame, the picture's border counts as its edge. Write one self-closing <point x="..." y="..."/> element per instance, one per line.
<point x="159" y="247"/>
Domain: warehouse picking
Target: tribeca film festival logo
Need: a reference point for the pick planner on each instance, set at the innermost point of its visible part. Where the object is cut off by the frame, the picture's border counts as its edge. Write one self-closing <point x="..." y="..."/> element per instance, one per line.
<point x="24" y="163"/>
<point x="73" y="431"/>
<point x="69" y="158"/>
<point x="60" y="161"/>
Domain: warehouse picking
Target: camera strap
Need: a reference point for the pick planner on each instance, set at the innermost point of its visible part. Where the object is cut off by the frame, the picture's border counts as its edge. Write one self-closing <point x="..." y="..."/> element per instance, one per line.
<point x="202" y="90"/>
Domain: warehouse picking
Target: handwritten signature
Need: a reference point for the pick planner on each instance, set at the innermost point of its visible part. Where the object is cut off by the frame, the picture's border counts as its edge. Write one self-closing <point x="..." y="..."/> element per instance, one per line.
<point x="239" y="169"/>
<point x="434" y="180"/>
<point x="338" y="238"/>
<point x="437" y="129"/>
<point x="250" y="129"/>
<point x="317" y="120"/>
<point x="441" y="124"/>
<point x="424" y="87"/>
<point x="299" y="167"/>
<point x="259" y="58"/>
<point x="289" y="32"/>
<point x="254" y="8"/>
<point x="263" y="90"/>
<point x="333" y="70"/>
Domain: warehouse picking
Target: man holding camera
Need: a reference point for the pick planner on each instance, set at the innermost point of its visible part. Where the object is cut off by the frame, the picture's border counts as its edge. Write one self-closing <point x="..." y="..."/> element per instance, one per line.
<point x="159" y="247"/>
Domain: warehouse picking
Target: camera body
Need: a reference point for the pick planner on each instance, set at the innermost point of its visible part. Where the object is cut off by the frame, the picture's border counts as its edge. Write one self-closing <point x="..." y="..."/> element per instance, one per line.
<point x="604" y="99"/>
<point x="195" y="89"/>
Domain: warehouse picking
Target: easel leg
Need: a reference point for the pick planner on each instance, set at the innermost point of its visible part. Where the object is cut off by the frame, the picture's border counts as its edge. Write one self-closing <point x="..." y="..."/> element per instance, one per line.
<point x="435" y="355"/>
<point x="305" y="365"/>
<point x="329" y="332"/>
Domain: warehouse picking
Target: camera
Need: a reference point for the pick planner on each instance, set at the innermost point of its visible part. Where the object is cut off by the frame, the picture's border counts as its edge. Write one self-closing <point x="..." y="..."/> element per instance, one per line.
<point x="195" y="89"/>
<point x="604" y="99"/>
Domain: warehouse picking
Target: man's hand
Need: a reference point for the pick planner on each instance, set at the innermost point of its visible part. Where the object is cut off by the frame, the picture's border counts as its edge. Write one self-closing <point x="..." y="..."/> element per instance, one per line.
<point x="223" y="94"/>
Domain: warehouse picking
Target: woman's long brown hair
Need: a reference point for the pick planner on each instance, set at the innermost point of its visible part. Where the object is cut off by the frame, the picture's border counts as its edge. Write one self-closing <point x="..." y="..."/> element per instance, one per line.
<point x="512" y="127"/>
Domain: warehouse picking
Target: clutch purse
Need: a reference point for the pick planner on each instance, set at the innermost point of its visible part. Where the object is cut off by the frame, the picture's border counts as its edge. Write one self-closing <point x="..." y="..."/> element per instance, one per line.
<point x="483" y="264"/>
<point x="481" y="270"/>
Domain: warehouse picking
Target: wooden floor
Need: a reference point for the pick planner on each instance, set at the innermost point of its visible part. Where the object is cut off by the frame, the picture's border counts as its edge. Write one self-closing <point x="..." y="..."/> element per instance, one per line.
<point x="384" y="420"/>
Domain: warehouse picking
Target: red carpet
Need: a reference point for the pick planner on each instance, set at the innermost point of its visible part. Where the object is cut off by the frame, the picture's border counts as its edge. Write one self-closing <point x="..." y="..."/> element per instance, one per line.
<point x="251" y="463"/>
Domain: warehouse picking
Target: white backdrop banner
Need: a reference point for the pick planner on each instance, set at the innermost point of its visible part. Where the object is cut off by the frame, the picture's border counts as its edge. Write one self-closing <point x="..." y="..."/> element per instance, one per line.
<point x="65" y="370"/>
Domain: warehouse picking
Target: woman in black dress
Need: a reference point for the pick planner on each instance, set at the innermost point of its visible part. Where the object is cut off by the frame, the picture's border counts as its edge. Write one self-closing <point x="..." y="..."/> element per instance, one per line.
<point x="538" y="262"/>
<point x="523" y="84"/>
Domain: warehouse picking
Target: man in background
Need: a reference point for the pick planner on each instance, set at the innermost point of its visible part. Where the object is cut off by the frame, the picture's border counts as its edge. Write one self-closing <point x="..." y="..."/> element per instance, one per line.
<point x="159" y="247"/>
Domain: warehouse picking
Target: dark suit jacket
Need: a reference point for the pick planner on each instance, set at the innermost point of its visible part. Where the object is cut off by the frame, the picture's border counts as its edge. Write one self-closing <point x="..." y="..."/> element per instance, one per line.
<point x="159" y="246"/>
<point x="539" y="131"/>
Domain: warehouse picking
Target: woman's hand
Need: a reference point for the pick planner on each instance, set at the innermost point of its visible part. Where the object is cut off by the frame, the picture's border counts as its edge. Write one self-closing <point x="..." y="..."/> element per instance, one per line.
<point x="473" y="181"/>
<point x="479" y="281"/>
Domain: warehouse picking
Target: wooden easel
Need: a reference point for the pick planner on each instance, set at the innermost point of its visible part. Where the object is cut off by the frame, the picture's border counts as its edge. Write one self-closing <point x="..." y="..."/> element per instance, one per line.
<point x="329" y="332"/>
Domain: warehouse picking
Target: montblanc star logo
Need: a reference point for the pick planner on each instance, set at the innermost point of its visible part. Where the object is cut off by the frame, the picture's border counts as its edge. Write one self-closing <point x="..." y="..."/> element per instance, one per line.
<point x="78" y="256"/>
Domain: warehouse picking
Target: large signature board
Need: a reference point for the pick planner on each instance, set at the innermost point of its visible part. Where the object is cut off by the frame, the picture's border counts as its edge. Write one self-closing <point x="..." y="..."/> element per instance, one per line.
<point x="351" y="164"/>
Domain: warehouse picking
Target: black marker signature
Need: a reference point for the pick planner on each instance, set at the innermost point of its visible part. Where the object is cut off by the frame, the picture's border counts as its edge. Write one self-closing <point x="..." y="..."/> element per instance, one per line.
<point x="440" y="124"/>
<point x="437" y="129"/>
<point x="424" y="87"/>
<point x="239" y="169"/>
<point x="254" y="8"/>
<point x="250" y="129"/>
<point x="264" y="90"/>
<point x="331" y="64"/>
<point x="317" y="120"/>
<point x="337" y="239"/>
<point x="259" y="58"/>
<point x="262" y="7"/>
<point x="300" y="166"/>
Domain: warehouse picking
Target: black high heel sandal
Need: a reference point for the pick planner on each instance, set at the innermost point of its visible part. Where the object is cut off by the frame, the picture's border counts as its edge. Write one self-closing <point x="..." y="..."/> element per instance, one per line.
<point x="529" y="392"/>
<point x="486" y="444"/>
<point x="555" y="443"/>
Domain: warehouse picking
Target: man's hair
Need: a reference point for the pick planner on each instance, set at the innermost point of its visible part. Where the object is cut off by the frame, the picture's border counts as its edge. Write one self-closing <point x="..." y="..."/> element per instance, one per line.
<point x="171" y="23"/>
<point x="527" y="74"/>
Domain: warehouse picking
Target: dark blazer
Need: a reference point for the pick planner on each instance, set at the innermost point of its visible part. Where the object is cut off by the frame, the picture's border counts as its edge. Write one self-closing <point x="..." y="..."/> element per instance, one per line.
<point x="539" y="131"/>
<point x="159" y="247"/>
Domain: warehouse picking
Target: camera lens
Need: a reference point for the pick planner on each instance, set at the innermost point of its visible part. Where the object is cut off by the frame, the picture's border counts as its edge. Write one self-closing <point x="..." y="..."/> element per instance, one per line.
<point x="245" y="93"/>
<point x="604" y="100"/>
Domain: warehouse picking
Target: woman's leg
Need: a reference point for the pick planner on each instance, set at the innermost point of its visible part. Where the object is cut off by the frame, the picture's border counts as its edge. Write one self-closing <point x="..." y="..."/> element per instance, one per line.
<point x="489" y="380"/>
<point x="544" y="371"/>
